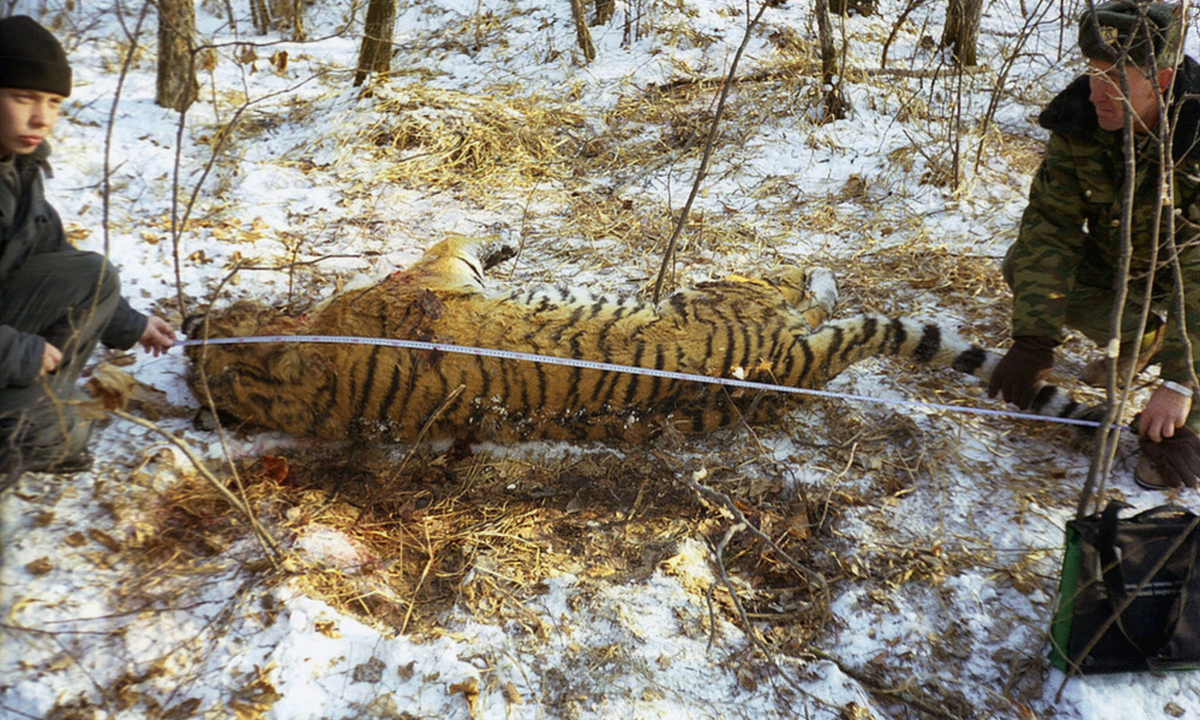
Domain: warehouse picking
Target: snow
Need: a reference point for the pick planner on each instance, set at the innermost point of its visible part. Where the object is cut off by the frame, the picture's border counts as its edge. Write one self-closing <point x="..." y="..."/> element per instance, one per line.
<point x="87" y="633"/>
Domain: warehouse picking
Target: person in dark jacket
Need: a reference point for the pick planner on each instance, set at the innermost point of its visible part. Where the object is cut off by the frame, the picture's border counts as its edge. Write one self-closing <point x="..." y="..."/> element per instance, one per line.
<point x="56" y="302"/>
<point x="1065" y="265"/>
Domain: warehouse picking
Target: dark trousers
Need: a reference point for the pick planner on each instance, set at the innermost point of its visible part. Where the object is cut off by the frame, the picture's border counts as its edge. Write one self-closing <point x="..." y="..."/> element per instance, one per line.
<point x="67" y="298"/>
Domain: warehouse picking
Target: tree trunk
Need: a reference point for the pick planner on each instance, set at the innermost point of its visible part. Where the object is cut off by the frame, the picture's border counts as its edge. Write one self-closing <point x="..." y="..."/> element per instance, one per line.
<point x="961" y="32"/>
<point x="176" y="86"/>
<point x="260" y="16"/>
<point x="289" y="15"/>
<point x="862" y="7"/>
<point x="605" y="9"/>
<point x="375" y="55"/>
<point x="581" y="30"/>
<point x="281" y="15"/>
<point x="835" y="103"/>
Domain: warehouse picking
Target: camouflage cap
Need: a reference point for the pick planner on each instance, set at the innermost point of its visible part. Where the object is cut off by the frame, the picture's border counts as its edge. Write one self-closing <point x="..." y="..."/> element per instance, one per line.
<point x="1149" y="32"/>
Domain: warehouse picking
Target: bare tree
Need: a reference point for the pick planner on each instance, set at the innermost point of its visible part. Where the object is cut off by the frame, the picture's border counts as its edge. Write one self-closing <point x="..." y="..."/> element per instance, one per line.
<point x="282" y="15"/>
<point x="176" y="86"/>
<point x="961" y="32"/>
<point x="605" y="9"/>
<point x="836" y="105"/>
<point x="862" y="7"/>
<point x="375" y="54"/>
<point x="584" y="36"/>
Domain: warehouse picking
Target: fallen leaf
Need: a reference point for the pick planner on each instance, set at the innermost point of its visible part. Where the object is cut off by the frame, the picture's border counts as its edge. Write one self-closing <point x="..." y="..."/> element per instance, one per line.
<point x="854" y="711"/>
<point x="469" y="689"/>
<point x="76" y="539"/>
<point x="275" y="467"/>
<point x="41" y="566"/>
<point x="104" y="539"/>
<point x="112" y="386"/>
<point x="327" y="628"/>
<point x="512" y="695"/>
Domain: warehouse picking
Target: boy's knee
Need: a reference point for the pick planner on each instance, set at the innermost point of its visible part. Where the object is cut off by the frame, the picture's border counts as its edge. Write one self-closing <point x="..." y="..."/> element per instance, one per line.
<point x="94" y="270"/>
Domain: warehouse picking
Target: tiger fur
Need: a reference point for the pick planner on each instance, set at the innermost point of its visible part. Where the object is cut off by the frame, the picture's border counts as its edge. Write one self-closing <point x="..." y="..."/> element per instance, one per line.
<point x="773" y="330"/>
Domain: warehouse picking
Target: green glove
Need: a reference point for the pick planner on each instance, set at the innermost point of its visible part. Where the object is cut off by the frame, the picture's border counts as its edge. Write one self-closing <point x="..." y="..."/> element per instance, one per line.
<point x="1025" y="365"/>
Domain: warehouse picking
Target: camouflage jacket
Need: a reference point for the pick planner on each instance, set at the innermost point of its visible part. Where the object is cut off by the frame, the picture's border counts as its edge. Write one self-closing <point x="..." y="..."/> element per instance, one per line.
<point x="1071" y="225"/>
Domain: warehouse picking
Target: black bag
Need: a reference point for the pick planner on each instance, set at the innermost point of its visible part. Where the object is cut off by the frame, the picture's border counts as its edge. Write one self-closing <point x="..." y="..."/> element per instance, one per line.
<point x="1129" y="597"/>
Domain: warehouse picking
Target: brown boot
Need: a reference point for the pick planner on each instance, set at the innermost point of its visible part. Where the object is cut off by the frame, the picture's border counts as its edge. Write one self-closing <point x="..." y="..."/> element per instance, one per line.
<point x="1095" y="373"/>
<point x="1147" y="476"/>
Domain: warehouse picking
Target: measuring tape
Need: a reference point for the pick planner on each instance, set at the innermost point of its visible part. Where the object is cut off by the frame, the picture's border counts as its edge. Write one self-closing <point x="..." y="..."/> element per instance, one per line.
<point x="628" y="369"/>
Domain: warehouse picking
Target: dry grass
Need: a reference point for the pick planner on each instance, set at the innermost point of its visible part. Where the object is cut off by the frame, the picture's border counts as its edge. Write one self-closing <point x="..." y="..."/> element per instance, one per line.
<point x="481" y="532"/>
<point x="439" y="139"/>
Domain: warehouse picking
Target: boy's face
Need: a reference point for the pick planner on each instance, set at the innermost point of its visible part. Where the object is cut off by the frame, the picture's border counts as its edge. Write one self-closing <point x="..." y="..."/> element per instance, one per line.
<point x="27" y="118"/>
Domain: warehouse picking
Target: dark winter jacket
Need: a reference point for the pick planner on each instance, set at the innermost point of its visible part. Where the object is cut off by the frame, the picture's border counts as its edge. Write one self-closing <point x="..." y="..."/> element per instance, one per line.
<point x="29" y="225"/>
<point x="1073" y="222"/>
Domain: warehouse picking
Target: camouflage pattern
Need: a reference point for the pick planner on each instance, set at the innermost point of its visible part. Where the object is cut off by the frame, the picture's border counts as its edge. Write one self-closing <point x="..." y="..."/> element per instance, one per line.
<point x="1064" y="264"/>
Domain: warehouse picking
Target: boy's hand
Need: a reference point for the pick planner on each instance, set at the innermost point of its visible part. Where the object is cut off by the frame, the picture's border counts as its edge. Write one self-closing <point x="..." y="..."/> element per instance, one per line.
<point x="51" y="359"/>
<point x="158" y="336"/>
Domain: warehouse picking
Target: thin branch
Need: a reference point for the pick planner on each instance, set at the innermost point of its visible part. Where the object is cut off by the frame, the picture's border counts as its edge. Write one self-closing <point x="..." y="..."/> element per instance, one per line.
<point x="725" y="501"/>
<point x="269" y="544"/>
<point x="702" y="172"/>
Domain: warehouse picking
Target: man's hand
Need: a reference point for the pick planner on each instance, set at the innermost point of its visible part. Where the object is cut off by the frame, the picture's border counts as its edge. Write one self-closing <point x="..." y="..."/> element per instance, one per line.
<point x="1166" y="411"/>
<point x="1176" y="457"/>
<point x="1025" y="365"/>
<point x="158" y="336"/>
<point x="51" y="359"/>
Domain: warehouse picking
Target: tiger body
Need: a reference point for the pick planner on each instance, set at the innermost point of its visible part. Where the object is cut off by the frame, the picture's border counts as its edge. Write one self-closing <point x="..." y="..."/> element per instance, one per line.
<point x="772" y="330"/>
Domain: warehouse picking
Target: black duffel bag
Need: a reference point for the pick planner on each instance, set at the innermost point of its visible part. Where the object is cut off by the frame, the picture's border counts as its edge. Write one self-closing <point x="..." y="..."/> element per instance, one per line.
<point x="1129" y="596"/>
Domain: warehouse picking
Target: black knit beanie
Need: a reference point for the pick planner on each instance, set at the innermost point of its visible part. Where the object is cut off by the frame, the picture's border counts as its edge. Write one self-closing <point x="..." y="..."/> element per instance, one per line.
<point x="1149" y="32"/>
<point x="31" y="57"/>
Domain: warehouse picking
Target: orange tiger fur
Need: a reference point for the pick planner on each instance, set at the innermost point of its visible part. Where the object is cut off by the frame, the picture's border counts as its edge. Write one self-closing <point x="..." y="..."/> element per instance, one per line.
<point x="772" y="330"/>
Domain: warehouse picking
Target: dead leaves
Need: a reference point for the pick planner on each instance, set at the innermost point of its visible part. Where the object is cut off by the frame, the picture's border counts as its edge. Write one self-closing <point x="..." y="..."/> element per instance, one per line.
<point x="41" y="566"/>
<point x="111" y="386"/>
<point x="115" y="389"/>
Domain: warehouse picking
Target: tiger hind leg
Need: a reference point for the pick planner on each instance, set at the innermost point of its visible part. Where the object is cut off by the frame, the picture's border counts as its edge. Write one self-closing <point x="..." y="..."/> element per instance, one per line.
<point x="812" y="292"/>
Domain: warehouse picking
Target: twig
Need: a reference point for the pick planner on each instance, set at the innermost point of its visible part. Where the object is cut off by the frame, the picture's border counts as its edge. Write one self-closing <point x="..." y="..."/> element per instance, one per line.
<point x="669" y="253"/>
<point x="712" y="618"/>
<point x="425" y="429"/>
<point x="105" y="205"/>
<point x="751" y="632"/>
<point x="739" y="517"/>
<point x="260" y="532"/>
<point x="719" y="564"/>
<point x="878" y="685"/>
<point x="424" y="574"/>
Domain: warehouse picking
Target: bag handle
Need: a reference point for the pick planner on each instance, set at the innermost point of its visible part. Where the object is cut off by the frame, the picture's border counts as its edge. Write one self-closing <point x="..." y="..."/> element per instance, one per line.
<point x="1114" y="575"/>
<point x="1156" y="513"/>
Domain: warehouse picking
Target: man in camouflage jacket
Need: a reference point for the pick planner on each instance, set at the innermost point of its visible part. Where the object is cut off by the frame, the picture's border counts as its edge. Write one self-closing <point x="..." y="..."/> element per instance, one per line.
<point x="1064" y="265"/>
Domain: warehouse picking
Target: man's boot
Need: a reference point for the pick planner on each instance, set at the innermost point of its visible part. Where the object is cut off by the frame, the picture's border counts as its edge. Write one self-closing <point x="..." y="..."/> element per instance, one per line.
<point x="1095" y="373"/>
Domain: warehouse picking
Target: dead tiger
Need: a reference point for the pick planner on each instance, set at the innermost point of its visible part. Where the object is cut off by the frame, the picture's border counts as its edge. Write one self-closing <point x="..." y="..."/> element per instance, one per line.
<point x="774" y="330"/>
